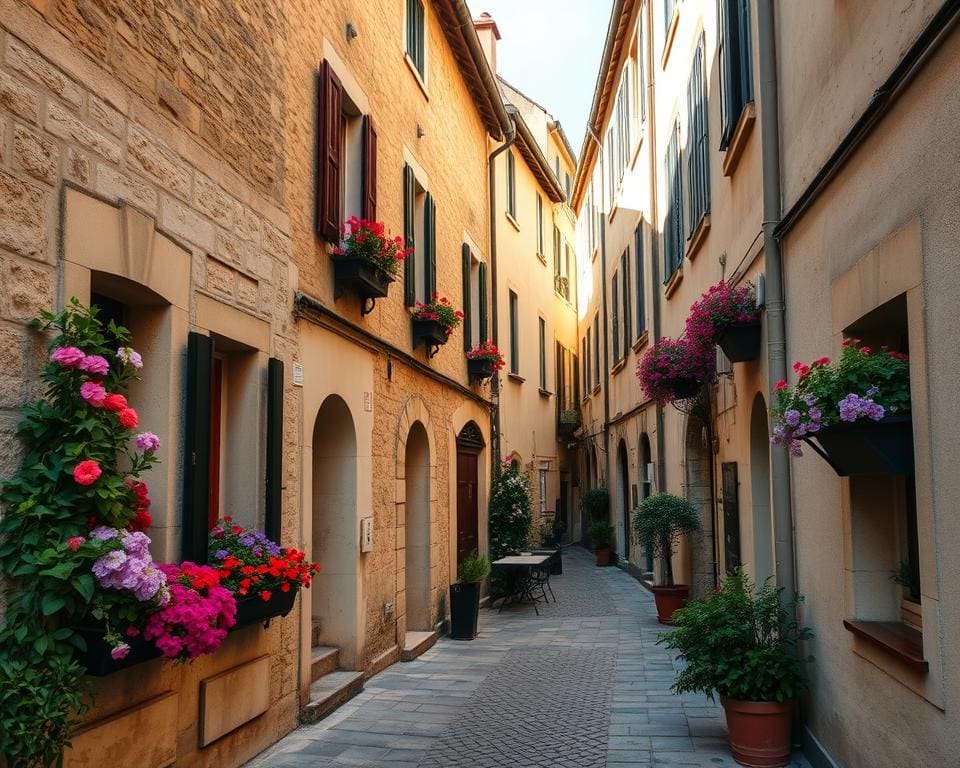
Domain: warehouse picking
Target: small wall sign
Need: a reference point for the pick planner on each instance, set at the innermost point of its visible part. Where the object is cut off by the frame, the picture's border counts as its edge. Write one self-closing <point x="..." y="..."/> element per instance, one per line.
<point x="366" y="534"/>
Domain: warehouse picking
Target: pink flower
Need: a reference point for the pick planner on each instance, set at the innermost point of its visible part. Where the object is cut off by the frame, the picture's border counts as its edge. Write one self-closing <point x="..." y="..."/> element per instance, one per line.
<point x="147" y="441"/>
<point x="74" y="542"/>
<point x="821" y="361"/>
<point x="128" y="418"/>
<point x="95" y="364"/>
<point x="115" y="403"/>
<point x="68" y="357"/>
<point x="87" y="472"/>
<point x="120" y="652"/>
<point x="865" y="350"/>
<point x="93" y="392"/>
<point x="781" y="385"/>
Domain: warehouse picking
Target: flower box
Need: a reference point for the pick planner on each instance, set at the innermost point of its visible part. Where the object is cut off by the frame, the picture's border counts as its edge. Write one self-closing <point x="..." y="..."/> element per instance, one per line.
<point x="480" y="368"/>
<point x="740" y="342"/>
<point x="568" y="423"/>
<point x="254" y="610"/>
<point x="361" y="276"/>
<point x="98" y="662"/>
<point x="432" y="332"/>
<point x="865" y="447"/>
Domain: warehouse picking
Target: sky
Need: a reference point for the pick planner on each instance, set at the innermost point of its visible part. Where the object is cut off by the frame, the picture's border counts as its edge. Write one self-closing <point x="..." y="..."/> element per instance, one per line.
<point x="550" y="50"/>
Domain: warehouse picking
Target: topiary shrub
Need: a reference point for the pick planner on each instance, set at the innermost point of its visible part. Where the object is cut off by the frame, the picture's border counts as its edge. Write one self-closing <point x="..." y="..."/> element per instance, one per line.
<point x="595" y="503"/>
<point x="660" y="521"/>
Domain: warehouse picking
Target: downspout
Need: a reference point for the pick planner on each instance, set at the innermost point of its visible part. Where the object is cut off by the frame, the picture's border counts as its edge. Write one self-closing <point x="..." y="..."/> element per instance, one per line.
<point x="606" y="343"/>
<point x="509" y="137"/>
<point x="776" y="322"/>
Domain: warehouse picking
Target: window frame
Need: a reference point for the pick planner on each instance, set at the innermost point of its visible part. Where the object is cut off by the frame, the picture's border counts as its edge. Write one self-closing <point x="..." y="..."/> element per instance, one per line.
<point x="511" y="185"/>
<point x="735" y="54"/>
<point x="513" y="309"/>
<point x="542" y="335"/>
<point x="640" y="315"/>
<point x="673" y="221"/>
<point x="415" y="47"/>
<point x="698" y="142"/>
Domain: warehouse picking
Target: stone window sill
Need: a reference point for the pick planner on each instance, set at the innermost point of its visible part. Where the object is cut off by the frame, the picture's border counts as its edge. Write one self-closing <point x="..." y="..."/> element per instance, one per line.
<point x="618" y="366"/>
<point x="898" y="640"/>
<point x="416" y="75"/>
<point x="545" y="392"/>
<point x="698" y="237"/>
<point x="731" y="157"/>
<point x="516" y="377"/>
<point x="668" y="39"/>
<point x="641" y="342"/>
<point x="673" y="282"/>
<point x="512" y="220"/>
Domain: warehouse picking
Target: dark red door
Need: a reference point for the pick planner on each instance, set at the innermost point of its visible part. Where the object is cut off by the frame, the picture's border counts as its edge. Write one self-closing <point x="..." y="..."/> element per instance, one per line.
<point x="467" y="525"/>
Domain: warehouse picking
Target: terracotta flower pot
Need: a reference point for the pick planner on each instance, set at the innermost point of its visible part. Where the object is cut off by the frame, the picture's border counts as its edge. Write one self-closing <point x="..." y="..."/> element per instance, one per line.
<point x="603" y="556"/>
<point x="668" y="600"/>
<point x="759" y="731"/>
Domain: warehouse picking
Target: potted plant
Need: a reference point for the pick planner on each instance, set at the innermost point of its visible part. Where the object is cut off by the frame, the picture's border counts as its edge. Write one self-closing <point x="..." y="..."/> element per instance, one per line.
<point x="569" y="422"/>
<point x="367" y="260"/>
<point x="465" y="596"/>
<point x="435" y="322"/>
<point x="601" y="536"/>
<point x="675" y="369"/>
<point x="658" y="523"/>
<point x="595" y="503"/>
<point x="728" y="316"/>
<point x="854" y="412"/>
<point x="483" y="361"/>
<point x="264" y="576"/>
<point x="740" y="642"/>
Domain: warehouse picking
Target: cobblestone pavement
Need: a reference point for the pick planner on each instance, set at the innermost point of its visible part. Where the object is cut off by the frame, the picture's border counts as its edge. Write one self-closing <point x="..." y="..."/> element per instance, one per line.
<point x="583" y="685"/>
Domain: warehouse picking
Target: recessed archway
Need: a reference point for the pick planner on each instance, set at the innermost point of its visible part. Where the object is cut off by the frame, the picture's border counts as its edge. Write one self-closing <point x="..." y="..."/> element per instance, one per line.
<point x="645" y="469"/>
<point x="623" y="499"/>
<point x="760" y="491"/>
<point x="418" y="561"/>
<point x="698" y="490"/>
<point x="335" y="540"/>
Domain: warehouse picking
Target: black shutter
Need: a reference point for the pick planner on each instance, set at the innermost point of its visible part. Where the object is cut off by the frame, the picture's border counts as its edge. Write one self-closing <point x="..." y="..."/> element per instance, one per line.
<point x="274" y="478"/>
<point x="467" y="309"/>
<point x="731" y="515"/>
<point x="615" y="306"/>
<point x="430" y="246"/>
<point x="196" y="469"/>
<point x="409" y="263"/>
<point x="482" y="284"/>
<point x="369" y="169"/>
<point x="329" y="109"/>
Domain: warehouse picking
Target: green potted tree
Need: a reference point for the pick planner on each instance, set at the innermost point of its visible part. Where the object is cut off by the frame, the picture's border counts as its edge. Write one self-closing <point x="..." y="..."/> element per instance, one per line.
<point x="742" y="643"/>
<point x="601" y="536"/>
<point x="465" y="596"/>
<point x="658" y="523"/>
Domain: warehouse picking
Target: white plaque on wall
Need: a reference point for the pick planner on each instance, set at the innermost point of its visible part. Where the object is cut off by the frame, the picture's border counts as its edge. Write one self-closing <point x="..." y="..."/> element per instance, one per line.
<point x="366" y="534"/>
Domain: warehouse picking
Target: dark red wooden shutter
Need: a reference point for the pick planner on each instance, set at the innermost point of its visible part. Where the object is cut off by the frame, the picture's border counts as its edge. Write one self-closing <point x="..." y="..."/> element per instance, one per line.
<point x="329" y="147"/>
<point x="369" y="169"/>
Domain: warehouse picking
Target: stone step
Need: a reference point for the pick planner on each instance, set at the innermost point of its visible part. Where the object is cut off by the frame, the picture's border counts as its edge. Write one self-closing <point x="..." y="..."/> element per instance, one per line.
<point x="324" y="659"/>
<point x="329" y="692"/>
<point x="416" y="643"/>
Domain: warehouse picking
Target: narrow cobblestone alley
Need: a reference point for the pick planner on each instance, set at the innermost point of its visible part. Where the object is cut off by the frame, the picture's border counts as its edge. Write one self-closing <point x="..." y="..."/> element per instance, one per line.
<point x="583" y="685"/>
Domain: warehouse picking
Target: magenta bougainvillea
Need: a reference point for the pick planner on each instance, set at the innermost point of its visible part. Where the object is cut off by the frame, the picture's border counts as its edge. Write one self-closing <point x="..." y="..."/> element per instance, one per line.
<point x="721" y="306"/>
<point x="672" y="366"/>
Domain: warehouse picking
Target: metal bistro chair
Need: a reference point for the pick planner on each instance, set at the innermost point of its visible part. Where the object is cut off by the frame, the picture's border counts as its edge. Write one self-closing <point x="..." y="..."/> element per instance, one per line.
<point x="540" y="579"/>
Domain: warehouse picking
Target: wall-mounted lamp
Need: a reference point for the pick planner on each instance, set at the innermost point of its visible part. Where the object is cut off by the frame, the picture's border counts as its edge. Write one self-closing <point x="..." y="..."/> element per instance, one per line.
<point x="351" y="31"/>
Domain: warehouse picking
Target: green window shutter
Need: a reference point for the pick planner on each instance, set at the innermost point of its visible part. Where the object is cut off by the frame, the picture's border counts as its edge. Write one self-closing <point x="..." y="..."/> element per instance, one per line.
<point x="482" y="284"/>
<point x="409" y="263"/>
<point x="274" y="478"/>
<point x="430" y="249"/>
<point x="467" y="309"/>
<point x="196" y="469"/>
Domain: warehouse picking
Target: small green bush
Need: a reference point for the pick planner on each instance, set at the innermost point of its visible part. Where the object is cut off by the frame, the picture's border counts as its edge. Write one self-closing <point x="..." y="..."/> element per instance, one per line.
<point x="474" y="569"/>
<point x="660" y="521"/>
<point x="601" y="534"/>
<point x="739" y="642"/>
<point x="595" y="503"/>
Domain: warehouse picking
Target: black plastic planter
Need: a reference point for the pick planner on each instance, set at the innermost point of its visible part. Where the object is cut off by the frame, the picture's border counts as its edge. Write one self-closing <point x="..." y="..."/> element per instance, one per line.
<point x="97" y="660"/>
<point x="365" y="279"/>
<point x="464" y="611"/>
<point x="431" y="333"/>
<point x="253" y="610"/>
<point x="740" y="343"/>
<point x="862" y="447"/>
<point x="480" y="368"/>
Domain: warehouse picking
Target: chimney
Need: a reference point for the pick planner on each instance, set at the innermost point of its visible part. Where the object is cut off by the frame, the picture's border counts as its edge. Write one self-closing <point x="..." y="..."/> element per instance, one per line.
<point x="489" y="34"/>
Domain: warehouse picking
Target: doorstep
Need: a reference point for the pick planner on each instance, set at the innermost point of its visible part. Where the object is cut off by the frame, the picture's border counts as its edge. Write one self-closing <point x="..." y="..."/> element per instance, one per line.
<point x="329" y="692"/>
<point x="323" y="660"/>
<point x="416" y="643"/>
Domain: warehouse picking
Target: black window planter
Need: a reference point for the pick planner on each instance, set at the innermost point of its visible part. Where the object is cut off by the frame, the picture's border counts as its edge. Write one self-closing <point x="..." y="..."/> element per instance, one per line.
<point x="253" y="610"/>
<point x="96" y="658"/>
<point x="431" y="333"/>
<point x="362" y="277"/>
<point x="464" y="611"/>
<point x="480" y="368"/>
<point x="741" y="342"/>
<point x="866" y="447"/>
<point x="566" y="426"/>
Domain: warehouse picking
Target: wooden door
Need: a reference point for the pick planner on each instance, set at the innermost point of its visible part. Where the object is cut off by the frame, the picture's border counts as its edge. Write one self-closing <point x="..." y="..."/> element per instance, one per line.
<point x="731" y="516"/>
<point x="468" y="538"/>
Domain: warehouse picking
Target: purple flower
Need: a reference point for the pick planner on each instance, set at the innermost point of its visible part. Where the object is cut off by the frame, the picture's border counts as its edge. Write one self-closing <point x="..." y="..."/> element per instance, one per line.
<point x="104" y="533"/>
<point x="792" y="417"/>
<point x="809" y="398"/>
<point x="221" y="554"/>
<point x="95" y="364"/>
<point x="147" y="441"/>
<point x="68" y="357"/>
<point x="795" y="448"/>
<point x="130" y="357"/>
<point x="872" y="391"/>
<point x="120" y="652"/>
<point x="815" y="414"/>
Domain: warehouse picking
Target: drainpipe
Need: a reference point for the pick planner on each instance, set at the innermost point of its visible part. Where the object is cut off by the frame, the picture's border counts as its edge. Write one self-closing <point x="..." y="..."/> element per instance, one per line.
<point x="776" y="325"/>
<point x="510" y="137"/>
<point x="606" y="343"/>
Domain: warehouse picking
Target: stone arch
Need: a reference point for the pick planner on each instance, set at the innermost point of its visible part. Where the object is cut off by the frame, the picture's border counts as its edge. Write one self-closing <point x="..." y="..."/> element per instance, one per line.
<point x="335" y="530"/>
<point x="760" y="491"/>
<point x="698" y="460"/>
<point x="623" y="499"/>
<point x="645" y="472"/>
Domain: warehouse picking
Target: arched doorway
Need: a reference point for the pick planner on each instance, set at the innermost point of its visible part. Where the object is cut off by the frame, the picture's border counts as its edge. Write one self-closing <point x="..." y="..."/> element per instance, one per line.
<point x="469" y="445"/>
<point x="418" y="562"/>
<point x="760" y="491"/>
<point x="623" y="498"/>
<point x="698" y="489"/>
<point x="335" y="590"/>
<point x="645" y="469"/>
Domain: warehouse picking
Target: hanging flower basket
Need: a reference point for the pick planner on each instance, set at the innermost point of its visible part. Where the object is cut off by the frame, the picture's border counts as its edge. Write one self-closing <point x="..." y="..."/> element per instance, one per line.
<point x="434" y="323"/>
<point x="361" y="276"/>
<point x="675" y="369"/>
<point x="740" y="342"/>
<point x="483" y="361"/>
<point x="568" y="422"/>
<point x="256" y="610"/>
<point x="366" y="261"/>
<point x="882" y="447"/>
<point x="97" y="658"/>
<point x="429" y="331"/>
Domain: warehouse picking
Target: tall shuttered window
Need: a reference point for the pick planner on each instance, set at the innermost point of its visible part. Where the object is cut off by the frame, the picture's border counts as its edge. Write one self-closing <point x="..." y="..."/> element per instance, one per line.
<point x="540" y="225"/>
<point x="596" y="350"/>
<point x="416" y="36"/>
<point x="627" y="327"/>
<point x="585" y="362"/>
<point x="419" y="231"/>
<point x="736" y="72"/>
<point x="474" y="298"/>
<point x="641" y="73"/>
<point x="615" y="316"/>
<point x="542" y="331"/>
<point x="511" y="184"/>
<point x="640" y="310"/>
<point x="514" y="335"/>
<point x="698" y="142"/>
<point x="673" y="222"/>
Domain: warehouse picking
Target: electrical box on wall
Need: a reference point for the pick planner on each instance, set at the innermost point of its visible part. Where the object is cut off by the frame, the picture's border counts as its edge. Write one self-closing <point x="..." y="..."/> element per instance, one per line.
<point x="366" y="534"/>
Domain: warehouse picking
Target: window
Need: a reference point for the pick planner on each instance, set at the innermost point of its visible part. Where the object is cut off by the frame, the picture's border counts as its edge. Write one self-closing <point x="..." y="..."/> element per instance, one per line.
<point x="542" y="326"/>
<point x="673" y="221"/>
<point x="611" y="171"/>
<point x="511" y="185"/>
<point x="540" y="225"/>
<point x="596" y="350"/>
<point x="419" y="229"/>
<point x="566" y="184"/>
<point x="591" y="213"/>
<point x="615" y="316"/>
<point x="556" y="254"/>
<point x="474" y="298"/>
<point x="568" y="381"/>
<point x="622" y="119"/>
<point x="543" y="491"/>
<point x="736" y="76"/>
<point x="640" y="313"/>
<point x="346" y="175"/>
<point x="568" y="262"/>
<point x="698" y="145"/>
<point x="585" y="357"/>
<point x="514" y="335"/>
<point x="641" y="73"/>
<point x="627" y="326"/>
<point x="416" y="36"/>
<point x="669" y="6"/>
